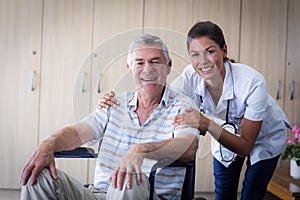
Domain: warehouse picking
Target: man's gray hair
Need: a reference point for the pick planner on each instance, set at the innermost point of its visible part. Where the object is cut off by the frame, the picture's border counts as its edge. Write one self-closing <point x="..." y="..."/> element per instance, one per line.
<point x="148" y="40"/>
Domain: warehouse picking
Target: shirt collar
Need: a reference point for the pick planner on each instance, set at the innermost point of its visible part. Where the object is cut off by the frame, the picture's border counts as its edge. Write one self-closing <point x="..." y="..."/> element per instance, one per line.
<point x="228" y="83"/>
<point x="227" y="86"/>
<point x="200" y="90"/>
<point x="132" y="102"/>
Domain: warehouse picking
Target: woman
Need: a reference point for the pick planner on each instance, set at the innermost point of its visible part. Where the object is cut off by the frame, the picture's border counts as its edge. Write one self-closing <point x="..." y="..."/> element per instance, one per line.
<point x="253" y="124"/>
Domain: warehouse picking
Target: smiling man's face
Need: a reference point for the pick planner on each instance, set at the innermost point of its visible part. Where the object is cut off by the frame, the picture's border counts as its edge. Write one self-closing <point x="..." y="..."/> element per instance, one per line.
<point x="149" y="68"/>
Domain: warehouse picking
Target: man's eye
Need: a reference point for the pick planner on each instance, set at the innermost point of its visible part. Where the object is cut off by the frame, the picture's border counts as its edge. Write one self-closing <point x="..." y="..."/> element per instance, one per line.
<point x="195" y="55"/>
<point x="155" y="62"/>
<point x="210" y="51"/>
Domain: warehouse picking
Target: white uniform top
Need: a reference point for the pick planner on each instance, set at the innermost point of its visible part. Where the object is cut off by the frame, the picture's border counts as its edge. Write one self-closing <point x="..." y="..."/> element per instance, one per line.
<point x="246" y="91"/>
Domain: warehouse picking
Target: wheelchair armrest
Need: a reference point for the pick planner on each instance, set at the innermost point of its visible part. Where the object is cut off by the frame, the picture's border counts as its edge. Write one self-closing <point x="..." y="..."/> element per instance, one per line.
<point x="189" y="180"/>
<point x="80" y="152"/>
<point x="182" y="164"/>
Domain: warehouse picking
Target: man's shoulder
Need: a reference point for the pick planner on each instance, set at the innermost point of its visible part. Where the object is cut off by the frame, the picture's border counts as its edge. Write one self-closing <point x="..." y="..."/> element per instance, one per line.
<point x="179" y="98"/>
<point x="124" y="97"/>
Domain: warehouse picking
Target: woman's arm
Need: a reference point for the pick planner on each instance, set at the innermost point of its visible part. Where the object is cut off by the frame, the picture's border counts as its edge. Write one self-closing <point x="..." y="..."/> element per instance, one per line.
<point x="241" y="145"/>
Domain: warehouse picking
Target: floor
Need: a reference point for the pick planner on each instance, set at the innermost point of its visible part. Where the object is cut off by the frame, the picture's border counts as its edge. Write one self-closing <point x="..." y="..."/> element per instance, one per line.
<point x="15" y="195"/>
<point x="211" y="196"/>
<point x="9" y="194"/>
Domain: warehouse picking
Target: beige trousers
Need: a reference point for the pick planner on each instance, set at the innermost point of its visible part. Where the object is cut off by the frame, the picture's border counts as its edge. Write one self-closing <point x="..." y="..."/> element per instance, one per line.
<point x="66" y="187"/>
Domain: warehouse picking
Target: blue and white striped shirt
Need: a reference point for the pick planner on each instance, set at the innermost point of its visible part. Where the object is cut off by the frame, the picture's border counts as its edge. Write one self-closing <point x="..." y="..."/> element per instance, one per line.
<point x="120" y="129"/>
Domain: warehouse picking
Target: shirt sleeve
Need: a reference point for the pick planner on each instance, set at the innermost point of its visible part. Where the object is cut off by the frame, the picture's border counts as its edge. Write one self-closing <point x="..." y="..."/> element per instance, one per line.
<point x="98" y="121"/>
<point x="257" y="100"/>
<point x="179" y="130"/>
<point x="181" y="84"/>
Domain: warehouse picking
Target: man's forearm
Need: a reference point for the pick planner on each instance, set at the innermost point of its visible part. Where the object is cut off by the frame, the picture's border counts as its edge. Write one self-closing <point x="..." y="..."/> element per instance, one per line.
<point x="181" y="148"/>
<point x="69" y="138"/>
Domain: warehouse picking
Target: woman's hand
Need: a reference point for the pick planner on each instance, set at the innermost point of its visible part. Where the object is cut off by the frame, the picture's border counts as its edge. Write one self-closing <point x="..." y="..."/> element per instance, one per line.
<point x="107" y="100"/>
<point x="193" y="118"/>
<point x="241" y="145"/>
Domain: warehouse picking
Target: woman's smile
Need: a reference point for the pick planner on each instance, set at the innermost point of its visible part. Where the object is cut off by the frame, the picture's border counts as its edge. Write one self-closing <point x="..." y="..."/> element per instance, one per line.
<point x="206" y="69"/>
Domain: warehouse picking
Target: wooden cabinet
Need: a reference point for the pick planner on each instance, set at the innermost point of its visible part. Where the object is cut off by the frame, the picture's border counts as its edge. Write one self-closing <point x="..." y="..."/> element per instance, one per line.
<point x="227" y="15"/>
<point x="263" y="41"/>
<point x="67" y="41"/>
<point x="270" y="43"/>
<point x="58" y="56"/>
<point x="20" y="53"/>
<point x="291" y="93"/>
<point x="112" y="35"/>
<point x="170" y="19"/>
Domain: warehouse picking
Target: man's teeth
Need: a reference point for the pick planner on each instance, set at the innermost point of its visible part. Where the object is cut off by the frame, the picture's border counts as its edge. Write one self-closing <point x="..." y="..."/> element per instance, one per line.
<point x="148" y="79"/>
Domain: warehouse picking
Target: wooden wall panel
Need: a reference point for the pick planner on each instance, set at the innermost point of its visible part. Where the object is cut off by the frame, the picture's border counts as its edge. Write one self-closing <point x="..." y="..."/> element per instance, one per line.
<point x="20" y="57"/>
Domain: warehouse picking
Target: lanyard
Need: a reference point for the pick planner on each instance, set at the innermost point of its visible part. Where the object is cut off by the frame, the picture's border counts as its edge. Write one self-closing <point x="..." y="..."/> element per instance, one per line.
<point x="227" y="111"/>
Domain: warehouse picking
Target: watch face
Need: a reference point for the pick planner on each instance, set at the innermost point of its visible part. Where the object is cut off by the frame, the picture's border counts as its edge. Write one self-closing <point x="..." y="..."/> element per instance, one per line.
<point x="229" y="127"/>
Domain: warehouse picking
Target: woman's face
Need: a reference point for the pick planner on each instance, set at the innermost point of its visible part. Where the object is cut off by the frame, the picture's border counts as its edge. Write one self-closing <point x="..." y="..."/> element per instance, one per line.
<point x="207" y="58"/>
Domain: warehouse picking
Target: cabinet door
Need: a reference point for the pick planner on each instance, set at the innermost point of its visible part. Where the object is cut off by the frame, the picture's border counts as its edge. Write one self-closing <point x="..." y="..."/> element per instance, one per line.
<point x="170" y="20"/>
<point x="263" y="41"/>
<point x="112" y="35"/>
<point x="67" y="40"/>
<point x="225" y="14"/>
<point x="20" y="41"/>
<point x="292" y="80"/>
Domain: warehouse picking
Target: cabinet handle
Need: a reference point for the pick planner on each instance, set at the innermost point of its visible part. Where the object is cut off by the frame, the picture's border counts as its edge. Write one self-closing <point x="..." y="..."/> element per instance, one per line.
<point x="83" y="82"/>
<point x="99" y="84"/>
<point x="32" y="80"/>
<point x="292" y="88"/>
<point x="277" y="89"/>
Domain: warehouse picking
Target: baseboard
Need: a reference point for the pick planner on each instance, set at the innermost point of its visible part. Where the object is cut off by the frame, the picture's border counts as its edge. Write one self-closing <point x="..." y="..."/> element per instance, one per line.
<point x="10" y="194"/>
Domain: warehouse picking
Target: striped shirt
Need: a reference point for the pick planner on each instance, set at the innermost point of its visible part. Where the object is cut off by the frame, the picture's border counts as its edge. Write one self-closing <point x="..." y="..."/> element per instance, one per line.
<point x="119" y="129"/>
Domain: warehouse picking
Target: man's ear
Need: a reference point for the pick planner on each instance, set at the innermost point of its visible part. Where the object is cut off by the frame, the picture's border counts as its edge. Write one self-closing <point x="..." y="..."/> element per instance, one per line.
<point x="170" y="65"/>
<point x="128" y="67"/>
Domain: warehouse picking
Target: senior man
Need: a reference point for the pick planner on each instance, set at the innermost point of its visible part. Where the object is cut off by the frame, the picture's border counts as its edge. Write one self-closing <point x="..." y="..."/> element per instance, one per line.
<point x="135" y="135"/>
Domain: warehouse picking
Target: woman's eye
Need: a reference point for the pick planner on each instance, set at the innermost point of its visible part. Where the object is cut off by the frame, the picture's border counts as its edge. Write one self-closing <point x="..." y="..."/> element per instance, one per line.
<point x="210" y="51"/>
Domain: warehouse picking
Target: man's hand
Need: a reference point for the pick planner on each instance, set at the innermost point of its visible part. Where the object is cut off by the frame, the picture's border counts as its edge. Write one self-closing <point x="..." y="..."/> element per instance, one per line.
<point x="41" y="158"/>
<point x="130" y="163"/>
